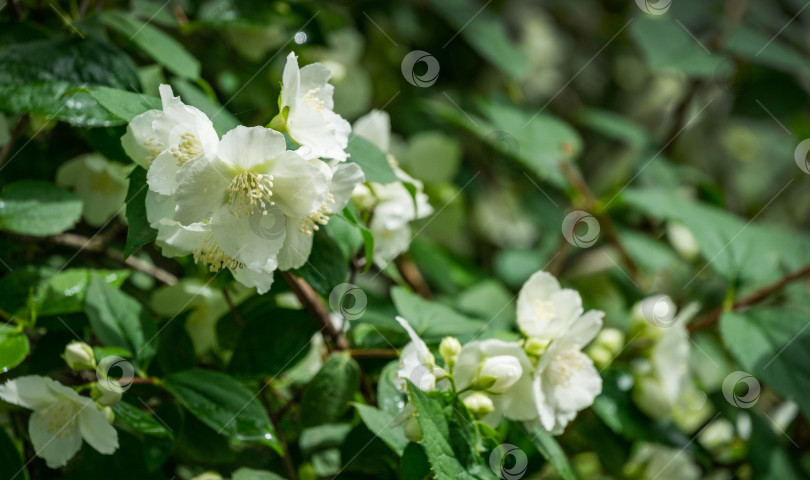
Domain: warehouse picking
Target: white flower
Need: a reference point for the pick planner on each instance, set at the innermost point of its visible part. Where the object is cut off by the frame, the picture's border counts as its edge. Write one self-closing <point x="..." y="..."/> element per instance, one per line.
<point x="310" y="120"/>
<point x="565" y="380"/>
<point x="544" y="310"/>
<point x="416" y="363"/>
<point x="661" y="463"/>
<point x="253" y="183"/>
<point x="79" y="356"/>
<point x="479" y="404"/>
<point x="393" y="205"/>
<point x="164" y="140"/>
<point x="61" y="419"/>
<point x="481" y="362"/>
<point x="100" y="183"/>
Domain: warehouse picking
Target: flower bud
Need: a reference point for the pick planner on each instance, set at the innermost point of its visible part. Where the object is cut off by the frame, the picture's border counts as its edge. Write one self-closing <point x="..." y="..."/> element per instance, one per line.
<point x="79" y="356"/>
<point x="479" y="404"/>
<point x="108" y="414"/>
<point x="499" y="373"/>
<point x="611" y="339"/>
<point x="682" y="240"/>
<point x="536" y="346"/>
<point x="449" y="350"/>
<point x="412" y="430"/>
<point x="104" y="395"/>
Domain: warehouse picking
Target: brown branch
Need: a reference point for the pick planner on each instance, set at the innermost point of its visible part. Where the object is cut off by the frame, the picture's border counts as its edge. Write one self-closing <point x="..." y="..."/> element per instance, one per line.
<point x="591" y="204"/>
<point x="309" y="298"/>
<point x="374" y="353"/>
<point x="234" y="311"/>
<point x="410" y="272"/>
<point x="96" y="246"/>
<point x="757" y="296"/>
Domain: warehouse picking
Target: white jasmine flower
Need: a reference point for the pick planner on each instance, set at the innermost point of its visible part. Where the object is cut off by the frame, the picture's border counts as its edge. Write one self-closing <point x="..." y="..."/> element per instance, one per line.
<point x="79" y="356"/>
<point x="164" y="140"/>
<point x="416" y="363"/>
<point x="307" y="108"/>
<point x="393" y="205"/>
<point x="544" y="310"/>
<point x="565" y="380"/>
<point x="100" y="183"/>
<point x="61" y="419"/>
<point x="502" y="370"/>
<point x="253" y="184"/>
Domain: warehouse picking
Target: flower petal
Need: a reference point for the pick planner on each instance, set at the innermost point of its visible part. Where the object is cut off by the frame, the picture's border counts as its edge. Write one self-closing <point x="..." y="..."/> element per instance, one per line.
<point x="251" y="239"/>
<point x="290" y="81"/>
<point x="56" y="442"/>
<point x="97" y="431"/>
<point x="375" y="126"/>
<point x="162" y="174"/>
<point x="297" y="247"/>
<point x="201" y="189"/>
<point x="262" y="279"/>
<point x="346" y="177"/>
<point x="141" y="142"/>
<point x="30" y="392"/>
<point x="311" y="128"/>
<point x="299" y="187"/>
<point x="246" y="148"/>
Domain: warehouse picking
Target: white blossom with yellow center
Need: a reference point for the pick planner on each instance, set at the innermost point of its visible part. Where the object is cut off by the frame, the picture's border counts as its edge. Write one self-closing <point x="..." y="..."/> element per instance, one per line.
<point x="307" y="108"/>
<point x="544" y="310"/>
<point x="61" y="419"/>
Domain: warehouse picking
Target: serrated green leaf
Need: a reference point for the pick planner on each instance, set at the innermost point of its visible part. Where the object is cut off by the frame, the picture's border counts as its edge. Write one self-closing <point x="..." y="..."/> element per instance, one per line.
<point x="38" y="208"/>
<point x="383" y="425"/>
<point x="223" y="404"/>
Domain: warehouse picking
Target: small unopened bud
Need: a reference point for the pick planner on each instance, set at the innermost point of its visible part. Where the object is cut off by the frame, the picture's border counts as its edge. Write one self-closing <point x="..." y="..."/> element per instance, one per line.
<point x="449" y="350"/>
<point x="412" y="430"/>
<point x="499" y="373"/>
<point x="79" y="356"/>
<point x="537" y="346"/>
<point x="479" y="404"/>
<point x="683" y="240"/>
<point x="106" y="393"/>
<point x="108" y="414"/>
<point x="611" y="339"/>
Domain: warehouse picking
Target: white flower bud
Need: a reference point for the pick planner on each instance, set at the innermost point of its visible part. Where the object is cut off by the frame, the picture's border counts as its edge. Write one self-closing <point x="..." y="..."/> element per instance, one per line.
<point x="611" y="339"/>
<point x="106" y="396"/>
<point x="449" y="350"/>
<point x="537" y="346"/>
<point x="682" y="240"/>
<point x="479" y="404"/>
<point x="108" y="414"/>
<point x="79" y="356"/>
<point x="499" y="373"/>
<point x="413" y="431"/>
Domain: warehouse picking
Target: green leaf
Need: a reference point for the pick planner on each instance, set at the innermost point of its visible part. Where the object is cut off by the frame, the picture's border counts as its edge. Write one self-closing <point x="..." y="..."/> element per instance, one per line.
<point x="327" y="265"/>
<point x="414" y="464"/>
<point x="122" y="104"/>
<point x="328" y="396"/>
<point x="222" y="119"/>
<point x="435" y="437"/>
<point x="668" y="45"/>
<point x="368" y="237"/>
<point x="773" y="345"/>
<point x="38" y="76"/>
<point x="38" y="208"/>
<point x="140" y="420"/>
<point x="154" y="42"/>
<point x="119" y="320"/>
<point x="551" y="451"/>
<point x="11" y="465"/>
<point x="487" y="35"/>
<point x="748" y="44"/>
<point x="245" y="473"/>
<point x="371" y="159"/>
<point x="14" y="347"/>
<point x="223" y="404"/>
<point x="273" y="339"/>
<point x="432" y="320"/>
<point x="65" y="291"/>
<point x="383" y="425"/>
<point x="139" y="233"/>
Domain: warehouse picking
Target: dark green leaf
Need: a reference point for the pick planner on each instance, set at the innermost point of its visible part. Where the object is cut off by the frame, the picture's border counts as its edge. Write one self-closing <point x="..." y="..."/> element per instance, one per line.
<point x="38" y="208"/>
<point x="223" y="404"/>
<point x="328" y="396"/>
<point x="140" y="420"/>
<point x="383" y="425"/>
<point x="245" y="473"/>
<point x="14" y="347"/>
<point x="551" y="450"/>
<point x="122" y="104"/>
<point x="432" y="320"/>
<point x="371" y="159"/>
<point x="11" y="465"/>
<point x="327" y="265"/>
<point x="139" y="232"/>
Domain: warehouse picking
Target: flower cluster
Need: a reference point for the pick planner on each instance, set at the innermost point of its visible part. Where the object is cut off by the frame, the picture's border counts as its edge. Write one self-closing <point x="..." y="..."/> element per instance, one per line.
<point x="246" y="202"/>
<point x="394" y="207"/>
<point x="543" y="378"/>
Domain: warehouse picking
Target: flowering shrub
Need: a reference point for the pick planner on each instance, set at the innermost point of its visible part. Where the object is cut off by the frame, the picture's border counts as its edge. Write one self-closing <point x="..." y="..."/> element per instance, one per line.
<point x="450" y="239"/>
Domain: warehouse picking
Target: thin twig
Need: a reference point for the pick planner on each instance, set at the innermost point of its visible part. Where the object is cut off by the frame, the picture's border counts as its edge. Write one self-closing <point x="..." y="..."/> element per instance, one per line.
<point x="95" y="246"/>
<point x="234" y="311"/>
<point x="276" y="419"/>
<point x="307" y="296"/>
<point x="757" y="296"/>
<point x="590" y="204"/>
<point x="410" y="272"/>
<point x="374" y="353"/>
